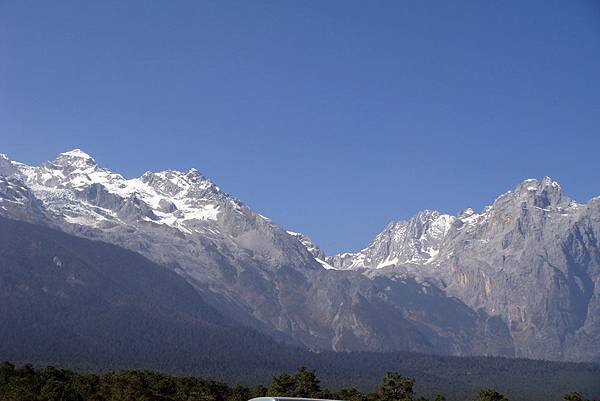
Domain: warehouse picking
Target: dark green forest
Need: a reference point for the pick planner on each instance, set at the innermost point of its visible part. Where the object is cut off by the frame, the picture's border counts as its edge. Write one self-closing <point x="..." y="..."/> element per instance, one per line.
<point x="26" y="383"/>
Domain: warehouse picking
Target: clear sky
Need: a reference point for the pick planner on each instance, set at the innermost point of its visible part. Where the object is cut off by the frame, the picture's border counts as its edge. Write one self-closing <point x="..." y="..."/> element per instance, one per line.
<point x="330" y="117"/>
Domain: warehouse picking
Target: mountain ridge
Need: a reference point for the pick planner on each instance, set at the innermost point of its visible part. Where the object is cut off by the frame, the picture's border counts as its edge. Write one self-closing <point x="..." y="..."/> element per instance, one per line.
<point x="427" y="219"/>
<point x="535" y="232"/>
<point x="422" y="285"/>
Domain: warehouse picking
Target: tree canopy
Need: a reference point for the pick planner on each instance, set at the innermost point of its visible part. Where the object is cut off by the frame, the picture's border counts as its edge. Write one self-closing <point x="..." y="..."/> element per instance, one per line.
<point x="26" y="383"/>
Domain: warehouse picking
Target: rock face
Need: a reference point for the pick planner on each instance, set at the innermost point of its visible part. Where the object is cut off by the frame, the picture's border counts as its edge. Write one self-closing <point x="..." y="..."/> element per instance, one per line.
<point x="532" y="258"/>
<point x="437" y="283"/>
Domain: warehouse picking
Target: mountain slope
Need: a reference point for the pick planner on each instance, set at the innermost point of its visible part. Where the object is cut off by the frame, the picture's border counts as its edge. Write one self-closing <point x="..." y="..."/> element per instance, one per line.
<point x="67" y="300"/>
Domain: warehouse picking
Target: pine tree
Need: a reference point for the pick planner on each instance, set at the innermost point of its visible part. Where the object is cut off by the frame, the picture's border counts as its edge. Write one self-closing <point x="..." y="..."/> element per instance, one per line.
<point x="490" y="395"/>
<point x="283" y="385"/>
<point x="573" y="396"/>
<point x="307" y="383"/>
<point x="395" y="387"/>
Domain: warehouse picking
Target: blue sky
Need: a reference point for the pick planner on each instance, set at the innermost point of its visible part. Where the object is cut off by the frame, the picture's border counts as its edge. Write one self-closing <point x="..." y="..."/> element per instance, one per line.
<point x="330" y="117"/>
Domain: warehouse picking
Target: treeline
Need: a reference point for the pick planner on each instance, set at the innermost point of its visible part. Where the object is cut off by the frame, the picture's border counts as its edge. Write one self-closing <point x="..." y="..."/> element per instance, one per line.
<point x="26" y="383"/>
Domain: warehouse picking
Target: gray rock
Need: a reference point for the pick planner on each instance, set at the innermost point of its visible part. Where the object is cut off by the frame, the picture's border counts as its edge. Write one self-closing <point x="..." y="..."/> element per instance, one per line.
<point x="532" y="258"/>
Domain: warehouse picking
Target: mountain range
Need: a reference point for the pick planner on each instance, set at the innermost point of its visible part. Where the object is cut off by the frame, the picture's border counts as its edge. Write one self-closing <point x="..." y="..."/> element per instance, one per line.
<point x="518" y="279"/>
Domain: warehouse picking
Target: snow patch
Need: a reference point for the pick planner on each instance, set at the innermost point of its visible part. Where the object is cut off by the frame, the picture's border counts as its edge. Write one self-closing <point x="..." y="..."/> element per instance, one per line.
<point x="325" y="264"/>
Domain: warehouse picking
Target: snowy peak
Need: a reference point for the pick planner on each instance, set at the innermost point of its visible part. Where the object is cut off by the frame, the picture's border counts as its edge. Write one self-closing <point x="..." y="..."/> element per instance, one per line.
<point x="545" y="193"/>
<point x="157" y="208"/>
<point x="75" y="158"/>
<point x="75" y="188"/>
<point x="78" y="170"/>
<point x="76" y="153"/>
<point x="416" y="241"/>
<point x="419" y="240"/>
<point x="6" y="167"/>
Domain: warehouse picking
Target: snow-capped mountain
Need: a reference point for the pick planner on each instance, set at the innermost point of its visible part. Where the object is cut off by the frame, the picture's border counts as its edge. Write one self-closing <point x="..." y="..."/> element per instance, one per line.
<point x="74" y="187"/>
<point x="76" y="190"/>
<point x="533" y="257"/>
<point x="420" y="239"/>
<point x="518" y="278"/>
<point x="242" y="263"/>
<point x="176" y="218"/>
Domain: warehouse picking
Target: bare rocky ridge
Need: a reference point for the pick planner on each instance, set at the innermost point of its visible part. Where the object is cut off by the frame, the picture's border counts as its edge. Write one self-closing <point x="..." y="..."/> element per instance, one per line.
<point x="437" y="283"/>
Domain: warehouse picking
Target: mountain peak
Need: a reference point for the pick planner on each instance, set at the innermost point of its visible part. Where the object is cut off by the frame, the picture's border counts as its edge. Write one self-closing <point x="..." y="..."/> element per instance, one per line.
<point x="75" y="158"/>
<point x="548" y="181"/>
<point x="543" y="193"/>
<point x="195" y="174"/>
<point x="6" y="166"/>
<point x="77" y="153"/>
<point x="427" y="214"/>
<point x="532" y="184"/>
